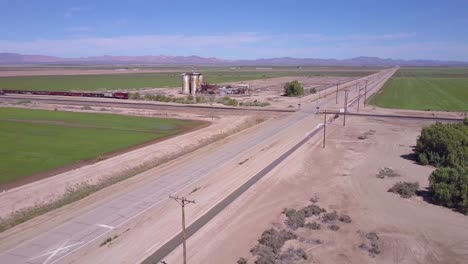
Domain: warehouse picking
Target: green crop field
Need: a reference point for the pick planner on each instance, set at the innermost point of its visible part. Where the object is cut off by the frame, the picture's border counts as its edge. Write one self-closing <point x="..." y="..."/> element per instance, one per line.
<point x="156" y="80"/>
<point x="35" y="141"/>
<point x="441" y="89"/>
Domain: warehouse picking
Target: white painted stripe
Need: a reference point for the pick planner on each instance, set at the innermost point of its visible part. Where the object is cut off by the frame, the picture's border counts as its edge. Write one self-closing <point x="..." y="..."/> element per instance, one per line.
<point x="105" y="226"/>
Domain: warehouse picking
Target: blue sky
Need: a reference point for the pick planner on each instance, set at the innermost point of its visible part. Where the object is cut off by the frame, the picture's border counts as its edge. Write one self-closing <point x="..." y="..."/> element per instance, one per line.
<point x="400" y="29"/>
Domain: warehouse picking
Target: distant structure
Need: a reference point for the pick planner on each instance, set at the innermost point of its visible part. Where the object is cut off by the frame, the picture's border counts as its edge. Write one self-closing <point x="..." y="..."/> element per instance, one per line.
<point x="191" y="82"/>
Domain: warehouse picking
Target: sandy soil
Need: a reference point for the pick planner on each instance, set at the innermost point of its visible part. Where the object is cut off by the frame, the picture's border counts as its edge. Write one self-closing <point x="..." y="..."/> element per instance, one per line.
<point x="343" y="176"/>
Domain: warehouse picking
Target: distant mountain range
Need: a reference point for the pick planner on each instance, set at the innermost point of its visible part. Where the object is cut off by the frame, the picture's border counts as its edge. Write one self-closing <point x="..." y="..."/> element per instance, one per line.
<point x="14" y="58"/>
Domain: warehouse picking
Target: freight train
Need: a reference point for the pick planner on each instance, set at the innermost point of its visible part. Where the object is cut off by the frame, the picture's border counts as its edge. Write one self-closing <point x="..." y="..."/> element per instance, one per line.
<point x="117" y="95"/>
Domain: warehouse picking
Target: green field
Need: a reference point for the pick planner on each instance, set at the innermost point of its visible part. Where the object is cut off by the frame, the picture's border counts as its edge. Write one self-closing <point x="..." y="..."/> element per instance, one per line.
<point x="35" y="141"/>
<point x="440" y="89"/>
<point x="166" y="79"/>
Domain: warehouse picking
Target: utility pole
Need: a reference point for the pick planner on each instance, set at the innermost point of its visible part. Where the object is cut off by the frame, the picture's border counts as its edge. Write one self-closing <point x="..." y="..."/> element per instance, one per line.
<point x="365" y="94"/>
<point x="336" y="100"/>
<point x="182" y="201"/>
<point x="324" y="127"/>
<point x="345" y="107"/>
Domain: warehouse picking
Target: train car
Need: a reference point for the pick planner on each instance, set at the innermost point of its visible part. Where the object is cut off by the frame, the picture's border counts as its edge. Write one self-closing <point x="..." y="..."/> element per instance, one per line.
<point x="117" y="95"/>
<point x="120" y="95"/>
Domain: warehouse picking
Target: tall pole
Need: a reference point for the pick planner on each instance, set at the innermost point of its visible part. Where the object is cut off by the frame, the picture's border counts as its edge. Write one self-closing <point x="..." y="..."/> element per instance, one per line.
<point x="365" y="94"/>
<point x="336" y="100"/>
<point x="183" y="201"/>
<point x="345" y="107"/>
<point x="324" y="127"/>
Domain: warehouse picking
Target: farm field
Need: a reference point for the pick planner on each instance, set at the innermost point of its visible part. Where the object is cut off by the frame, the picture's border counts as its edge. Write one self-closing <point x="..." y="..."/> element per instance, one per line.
<point x="37" y="141"/>
<point x="439" y="89"/>
<point x="157" y="79"/>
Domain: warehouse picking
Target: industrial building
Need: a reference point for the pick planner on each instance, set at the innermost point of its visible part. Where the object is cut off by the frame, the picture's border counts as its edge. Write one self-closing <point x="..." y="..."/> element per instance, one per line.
<point x="193" y="84"/>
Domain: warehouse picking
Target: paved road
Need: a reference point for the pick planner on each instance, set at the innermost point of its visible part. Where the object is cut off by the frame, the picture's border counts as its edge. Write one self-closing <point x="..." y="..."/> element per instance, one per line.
<point x="55" y="244"/>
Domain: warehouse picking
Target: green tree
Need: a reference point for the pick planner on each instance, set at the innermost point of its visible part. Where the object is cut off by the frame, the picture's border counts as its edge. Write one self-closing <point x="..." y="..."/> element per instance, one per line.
<point x="443" y="145"/>
<point x="293" y="88"/>
<point x="450" y="187"/>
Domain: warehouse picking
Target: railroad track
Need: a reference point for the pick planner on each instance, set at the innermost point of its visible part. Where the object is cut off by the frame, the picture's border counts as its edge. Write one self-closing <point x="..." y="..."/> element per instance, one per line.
<point x="139" y="105"/>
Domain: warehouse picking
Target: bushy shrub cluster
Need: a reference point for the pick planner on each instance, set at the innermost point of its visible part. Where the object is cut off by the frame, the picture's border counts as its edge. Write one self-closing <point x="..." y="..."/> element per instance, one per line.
<point x="269" y="245"/>
<point x="293" y="88"/>
<point x="443" y="145"/>
<point x="450" y="187"/>
<point x="446" y="146"/>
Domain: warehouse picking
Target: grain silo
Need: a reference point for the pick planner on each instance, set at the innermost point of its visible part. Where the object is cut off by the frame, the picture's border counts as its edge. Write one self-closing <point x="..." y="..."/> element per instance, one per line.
<point x="185" y="83"/>
<point x="200" y="80"/>
<point x="194" y="83"/>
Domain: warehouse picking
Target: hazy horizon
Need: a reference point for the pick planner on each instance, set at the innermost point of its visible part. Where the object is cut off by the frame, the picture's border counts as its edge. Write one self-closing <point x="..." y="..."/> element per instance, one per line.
<point x="423" y="30"/>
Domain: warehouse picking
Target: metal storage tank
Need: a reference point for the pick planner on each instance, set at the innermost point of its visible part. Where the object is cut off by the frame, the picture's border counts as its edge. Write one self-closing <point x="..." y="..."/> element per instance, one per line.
<point x="185" y="83"/>
<point x="200" y="80"/>
<point x="193" y="83"/>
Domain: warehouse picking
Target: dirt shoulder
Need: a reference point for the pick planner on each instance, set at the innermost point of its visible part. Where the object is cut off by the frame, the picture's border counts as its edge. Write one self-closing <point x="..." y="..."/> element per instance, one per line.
<point x="343" y="176"/>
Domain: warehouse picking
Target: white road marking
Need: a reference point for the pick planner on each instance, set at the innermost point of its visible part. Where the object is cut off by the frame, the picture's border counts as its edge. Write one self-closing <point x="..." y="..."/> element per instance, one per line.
<point x="53" y="253"/>
<point x="105" y="226"/>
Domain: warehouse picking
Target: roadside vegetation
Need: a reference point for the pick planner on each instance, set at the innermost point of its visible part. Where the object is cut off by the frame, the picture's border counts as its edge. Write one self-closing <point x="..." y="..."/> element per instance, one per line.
<point x="225" y="100"/>
<point x="439" y="89"/>
<point x="293" y="88"/>
<point x="445" y="146"/>
<point x="273" y="246"/>
<point x="36" y="141"/>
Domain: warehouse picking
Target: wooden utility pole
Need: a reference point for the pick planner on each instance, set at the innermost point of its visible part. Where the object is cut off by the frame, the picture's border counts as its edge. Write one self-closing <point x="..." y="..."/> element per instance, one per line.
<point x="365" y="94"/>
<point x="182" y="201"/>
<point x="324" y="127"/>
<point x="345" y="107"/>
<point x="336" y="100"/>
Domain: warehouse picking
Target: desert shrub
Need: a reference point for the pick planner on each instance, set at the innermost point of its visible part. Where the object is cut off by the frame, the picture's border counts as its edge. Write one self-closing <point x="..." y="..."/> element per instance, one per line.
<point x="293" y="88"/>
<point x="201" y="99"/>
<point x="313" y="226"/>
<point x="311" y="210"/>
<point x="371" y="245"/>
<point x="264" y="254"/>
<point x="450" y="187"/>
<point x="134" y="96"/>
<point x="242" y="261"/>
<point x="443" y="145"/>
<point x="294" y="219"/>
<point x="291" y="255"/>
<point x="405" y="189"/>
<point x="313" y="90"/>
<point x="275" y="239"/>
<point x="254" y="103"/>
<point x="334" y="227"/>
<point x="329" y="217"/>
<point x="386" y="172"/>
<point x="149" y="97"/>
<point x="345" y="218"/>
